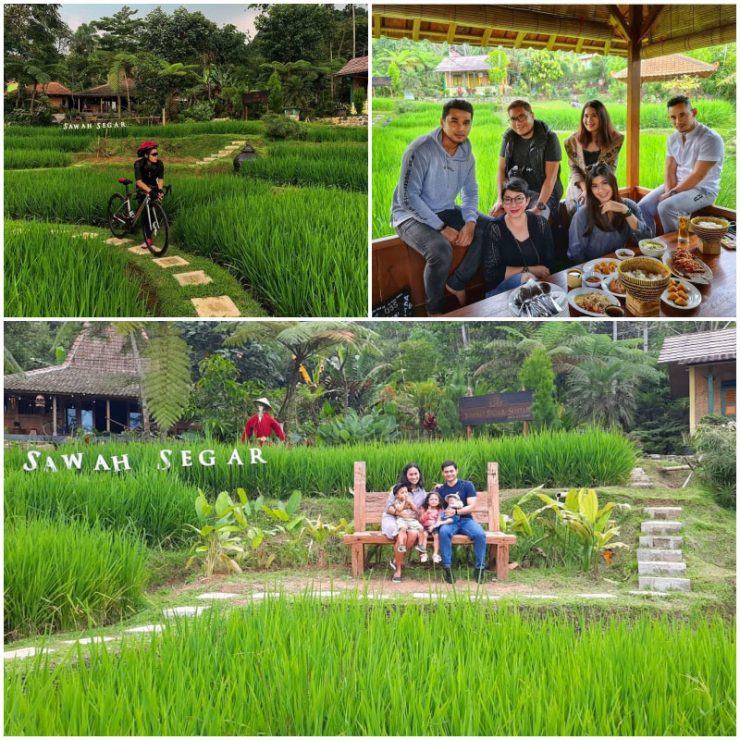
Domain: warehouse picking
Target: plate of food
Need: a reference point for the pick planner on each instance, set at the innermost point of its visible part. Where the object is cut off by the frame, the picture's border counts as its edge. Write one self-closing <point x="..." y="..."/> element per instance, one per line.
<point x="729" y="241"/>
<point x="682" y="263"/>
<point x="614" y="285"/>
<point x="538" y="299"/>
<point x="591" y="302"/>
<point x="604" y="266"/>
<point x="681" y="294"/>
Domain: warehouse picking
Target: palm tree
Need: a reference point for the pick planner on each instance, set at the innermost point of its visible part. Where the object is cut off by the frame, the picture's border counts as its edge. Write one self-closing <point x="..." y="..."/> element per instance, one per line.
<point x="303" y="340"/>
<point x="119" y="75"/>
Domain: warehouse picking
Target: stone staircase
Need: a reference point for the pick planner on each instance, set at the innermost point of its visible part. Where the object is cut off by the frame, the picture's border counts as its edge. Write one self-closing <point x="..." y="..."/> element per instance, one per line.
<point x="660" y="564"/>
<point x="226" y="151"/>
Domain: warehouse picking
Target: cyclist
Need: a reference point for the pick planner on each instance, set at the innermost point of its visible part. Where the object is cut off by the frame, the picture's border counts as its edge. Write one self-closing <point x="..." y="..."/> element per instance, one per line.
<point x="149" y="178"/>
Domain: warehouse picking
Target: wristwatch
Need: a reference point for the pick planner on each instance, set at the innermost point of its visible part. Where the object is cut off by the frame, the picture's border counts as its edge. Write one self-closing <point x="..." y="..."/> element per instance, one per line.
<point x="629" y="212"/>
<point x="540" y="205"/>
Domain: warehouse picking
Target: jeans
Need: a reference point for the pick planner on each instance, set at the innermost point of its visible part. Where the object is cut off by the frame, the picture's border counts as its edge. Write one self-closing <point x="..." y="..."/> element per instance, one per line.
<point x="506" y="284"/>
<point x="668" y="210"/>
<point x="437" y="252"/>
<point x="468" y="526"/>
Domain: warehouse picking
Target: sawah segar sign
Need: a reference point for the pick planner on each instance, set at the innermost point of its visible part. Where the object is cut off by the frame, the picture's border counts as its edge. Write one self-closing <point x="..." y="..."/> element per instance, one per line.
<point x="496" y="408"/>
<point x="36" y="460"/>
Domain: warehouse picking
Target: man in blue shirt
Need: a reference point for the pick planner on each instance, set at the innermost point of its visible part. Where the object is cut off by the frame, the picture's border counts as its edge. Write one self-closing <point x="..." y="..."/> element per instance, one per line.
<point x="436" y="168"/>
<point x="464" y="523"/>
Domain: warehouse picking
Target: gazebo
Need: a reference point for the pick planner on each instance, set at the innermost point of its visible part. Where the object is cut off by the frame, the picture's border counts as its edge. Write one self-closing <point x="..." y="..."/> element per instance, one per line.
<point x="670" y="67"/>
<point x="103" y="98"/>
<point x="636" y="32"/>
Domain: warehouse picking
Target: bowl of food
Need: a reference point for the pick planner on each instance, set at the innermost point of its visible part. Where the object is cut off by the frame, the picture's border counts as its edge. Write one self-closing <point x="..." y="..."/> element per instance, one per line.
<point x="652" y="248"/>
<point x="644" y="278"/>
<point x="591" y="302"/>
<point x="592" y="280"/>
<point x="624" y="253"/>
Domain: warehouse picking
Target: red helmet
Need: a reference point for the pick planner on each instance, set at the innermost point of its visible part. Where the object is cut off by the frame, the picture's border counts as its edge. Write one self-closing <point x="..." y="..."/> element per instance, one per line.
<point x="145" y="147"/>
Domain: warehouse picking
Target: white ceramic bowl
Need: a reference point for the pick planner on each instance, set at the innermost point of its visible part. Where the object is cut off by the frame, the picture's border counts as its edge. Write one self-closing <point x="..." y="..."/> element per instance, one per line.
<point x="623" y="254"/>
<point x="652" y="248"/>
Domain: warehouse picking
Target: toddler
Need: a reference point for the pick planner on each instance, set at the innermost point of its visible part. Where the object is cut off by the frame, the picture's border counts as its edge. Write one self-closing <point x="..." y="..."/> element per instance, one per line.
<point x="407" y="516"/>
<point x="431" y="520"/>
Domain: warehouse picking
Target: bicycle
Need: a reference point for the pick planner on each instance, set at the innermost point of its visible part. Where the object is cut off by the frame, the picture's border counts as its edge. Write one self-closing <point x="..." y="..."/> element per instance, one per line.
<point x="122" y="218"/>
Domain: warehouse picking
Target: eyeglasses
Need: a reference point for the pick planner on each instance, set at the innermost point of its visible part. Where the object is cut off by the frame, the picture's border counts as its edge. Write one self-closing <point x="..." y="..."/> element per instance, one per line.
<point x="514" y="201"/>
<point x="153" y="154"/>
<point x="521" y="118"/>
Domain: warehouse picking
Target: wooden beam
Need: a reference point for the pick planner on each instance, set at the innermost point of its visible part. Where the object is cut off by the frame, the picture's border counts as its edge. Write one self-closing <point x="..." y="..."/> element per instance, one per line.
<point x="620" y="21"/>
<point x="651" y="20"/>
<point x="519" y="38"/>
<point x="377" y="20"/>
<point x="633" y="102"/>
<point x="607" y="48"/>
<point x="415" y="29"/>
<point x="551" y="42"/>
<point x="451" y="32"/>
<point x="579" y="45"/>
<point x="486" y="38"/>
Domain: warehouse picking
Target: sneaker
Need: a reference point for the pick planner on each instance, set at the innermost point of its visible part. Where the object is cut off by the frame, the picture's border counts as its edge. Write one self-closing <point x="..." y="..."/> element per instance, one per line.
<point x="419" y="548"/>
<point x="423" y="558"/>
<point x="480" y="575"/>
<point x="148" y="243"/>
<point x="396" y="579"/>
<point x="448" y="575"/>
<point x="402" y="548"/>
<point x="436" y="558"/>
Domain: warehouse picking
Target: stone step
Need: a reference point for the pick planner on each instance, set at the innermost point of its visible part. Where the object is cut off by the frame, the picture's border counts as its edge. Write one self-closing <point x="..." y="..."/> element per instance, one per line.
<point x="661" y="541"/>
<point x="663" y="555"/>
<point x="197" y="277"/>
<point x="663" y="512"/>
<point x="659" y="567"/>
<point x="661" y="527"/>
<point x="215" y="306"/>
<point x="657" y="583"/>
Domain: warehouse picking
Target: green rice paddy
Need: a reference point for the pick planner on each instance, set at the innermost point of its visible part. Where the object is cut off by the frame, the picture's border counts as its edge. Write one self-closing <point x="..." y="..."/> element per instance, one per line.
<point x="304" y="199"/>
<point x="355" y="667"/>
<point x="396" y="131"/>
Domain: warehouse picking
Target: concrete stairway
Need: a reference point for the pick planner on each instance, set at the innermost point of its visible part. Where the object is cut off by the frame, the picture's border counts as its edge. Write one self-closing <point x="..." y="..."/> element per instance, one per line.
<point x="660" y="564"/>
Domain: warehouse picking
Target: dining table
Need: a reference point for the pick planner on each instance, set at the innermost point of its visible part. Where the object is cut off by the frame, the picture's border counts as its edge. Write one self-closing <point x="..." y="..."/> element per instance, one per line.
<point x="718" y="299"/>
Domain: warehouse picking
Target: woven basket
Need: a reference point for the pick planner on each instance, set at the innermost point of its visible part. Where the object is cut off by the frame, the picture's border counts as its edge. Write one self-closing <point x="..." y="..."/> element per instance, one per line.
<point x="645" y="290"/>
<point x="709" y="235"/>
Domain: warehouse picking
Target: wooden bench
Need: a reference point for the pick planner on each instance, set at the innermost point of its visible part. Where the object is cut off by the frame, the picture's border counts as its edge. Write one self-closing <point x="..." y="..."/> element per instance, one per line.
<point x="369" y="507"/>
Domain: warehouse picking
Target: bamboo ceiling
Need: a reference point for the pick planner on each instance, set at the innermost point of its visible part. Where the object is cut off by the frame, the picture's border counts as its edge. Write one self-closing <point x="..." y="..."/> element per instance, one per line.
<point x="594" y="29"/>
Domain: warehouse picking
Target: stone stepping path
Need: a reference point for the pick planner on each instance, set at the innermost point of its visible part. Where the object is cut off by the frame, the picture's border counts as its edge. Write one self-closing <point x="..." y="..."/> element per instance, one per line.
<point x="660" y="563"/>
<point x="198" y="277"/>
<point x="28" y="652"/>
<point x="225" y="152"/>
<point x="89" y="640"/>
<point x="216" y="596"/>
<point x="185" y="611"/>
<point x="215" y="307"/>
<point x="166" y="262"/>
<point x="640" y="479"/>
<point x="116" y="242"/>
<point x="146" y="628"/>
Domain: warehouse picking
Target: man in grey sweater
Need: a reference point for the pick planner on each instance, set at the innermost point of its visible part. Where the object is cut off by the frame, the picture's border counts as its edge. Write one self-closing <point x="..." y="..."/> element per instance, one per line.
<point x="436" y="168"/>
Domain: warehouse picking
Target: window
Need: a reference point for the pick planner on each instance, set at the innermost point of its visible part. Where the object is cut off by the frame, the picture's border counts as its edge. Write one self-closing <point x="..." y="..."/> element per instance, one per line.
<point x="727" y="398"/>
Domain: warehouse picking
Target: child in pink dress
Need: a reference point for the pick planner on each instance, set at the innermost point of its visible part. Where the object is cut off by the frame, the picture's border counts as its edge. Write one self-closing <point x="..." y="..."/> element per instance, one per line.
<point x="431" y="520"/>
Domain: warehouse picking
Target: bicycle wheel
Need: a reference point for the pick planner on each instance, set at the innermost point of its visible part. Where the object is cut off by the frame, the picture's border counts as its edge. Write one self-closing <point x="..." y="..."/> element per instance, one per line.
<point x="119" y="219"/>
<point x="160" y="230"/>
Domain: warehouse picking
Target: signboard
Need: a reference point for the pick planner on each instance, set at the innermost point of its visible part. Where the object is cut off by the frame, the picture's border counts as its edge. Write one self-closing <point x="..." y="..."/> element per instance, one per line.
<point x="495" y="408"/>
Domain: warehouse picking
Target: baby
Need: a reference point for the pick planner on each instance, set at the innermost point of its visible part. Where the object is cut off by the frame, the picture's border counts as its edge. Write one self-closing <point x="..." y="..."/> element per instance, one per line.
<point x="407" y="517"/>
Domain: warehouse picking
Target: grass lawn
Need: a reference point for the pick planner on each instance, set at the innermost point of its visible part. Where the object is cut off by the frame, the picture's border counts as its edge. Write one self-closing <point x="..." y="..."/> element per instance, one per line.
<point x="393" y="132"/>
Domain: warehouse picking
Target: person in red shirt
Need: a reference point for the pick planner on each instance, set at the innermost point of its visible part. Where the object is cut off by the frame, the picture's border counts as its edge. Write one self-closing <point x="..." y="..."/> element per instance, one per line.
<point x="262" y="425"/>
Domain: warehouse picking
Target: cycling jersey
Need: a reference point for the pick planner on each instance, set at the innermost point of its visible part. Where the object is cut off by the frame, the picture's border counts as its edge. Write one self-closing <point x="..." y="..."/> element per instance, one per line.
<point x="148" y="172"/>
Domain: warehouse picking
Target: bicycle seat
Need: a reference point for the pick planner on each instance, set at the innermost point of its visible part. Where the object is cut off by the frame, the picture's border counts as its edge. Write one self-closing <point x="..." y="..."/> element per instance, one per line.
<point x="124" y="181"/>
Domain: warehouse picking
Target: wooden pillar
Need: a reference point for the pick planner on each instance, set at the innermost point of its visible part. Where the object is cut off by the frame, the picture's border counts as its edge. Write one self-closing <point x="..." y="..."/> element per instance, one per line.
<point x="692" y="400"/>
<point x="710" y="391"/>
<point x="53" y="416"/>
<point x="633" y="99"/>
<point x="107" y="415"/>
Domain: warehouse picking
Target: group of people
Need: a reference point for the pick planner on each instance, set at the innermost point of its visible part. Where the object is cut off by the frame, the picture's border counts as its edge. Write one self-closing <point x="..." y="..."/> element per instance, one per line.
<point x="412" y="517"/>
<point x="514" y="243"/>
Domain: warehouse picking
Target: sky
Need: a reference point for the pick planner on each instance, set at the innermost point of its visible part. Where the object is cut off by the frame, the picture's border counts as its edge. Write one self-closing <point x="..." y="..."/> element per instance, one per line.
<point x="74" y="14"/>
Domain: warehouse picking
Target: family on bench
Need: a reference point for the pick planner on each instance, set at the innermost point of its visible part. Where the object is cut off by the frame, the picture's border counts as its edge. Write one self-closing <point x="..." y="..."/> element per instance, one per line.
<point x="514" y="243"/>
<point x="412" y="518"/>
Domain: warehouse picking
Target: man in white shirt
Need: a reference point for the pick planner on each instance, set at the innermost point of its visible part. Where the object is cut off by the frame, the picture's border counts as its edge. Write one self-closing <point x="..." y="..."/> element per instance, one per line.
<point x="694" y="156"/>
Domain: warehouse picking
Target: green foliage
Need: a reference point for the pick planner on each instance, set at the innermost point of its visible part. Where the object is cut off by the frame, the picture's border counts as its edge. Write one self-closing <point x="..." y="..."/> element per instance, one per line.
<point x="359" y="97"/>
<point x="642" y="675"/>
<point x="33" y="158"/>
<point x="154" y="506"/>
<point x="278" y="126"/>
<point x="275" y="89"/>
<point x="537" y="375"/>
<point x="62" y="576"/>
<point x="716" y="444"/>
<point x="592" y="526"/>
<point x="354" y="429"/>
<point x="201" y="110"/>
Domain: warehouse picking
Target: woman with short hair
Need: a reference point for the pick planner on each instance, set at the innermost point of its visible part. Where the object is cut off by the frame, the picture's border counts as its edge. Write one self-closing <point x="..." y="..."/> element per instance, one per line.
<point x="596" y="141"/>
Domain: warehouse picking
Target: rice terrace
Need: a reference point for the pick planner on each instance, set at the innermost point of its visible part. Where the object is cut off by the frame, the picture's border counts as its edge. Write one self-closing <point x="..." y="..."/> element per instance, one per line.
<point x="194" y="584"/>
<point x="284" y="235"/>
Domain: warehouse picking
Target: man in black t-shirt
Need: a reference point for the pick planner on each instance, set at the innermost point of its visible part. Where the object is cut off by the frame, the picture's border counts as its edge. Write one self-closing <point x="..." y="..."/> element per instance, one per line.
<point x="531" y="150"/>
<point x="149" y="179"/>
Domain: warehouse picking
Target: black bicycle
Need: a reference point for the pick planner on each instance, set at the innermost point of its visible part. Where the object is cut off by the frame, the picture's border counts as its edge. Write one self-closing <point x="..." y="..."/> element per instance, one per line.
<point x="122" y="217"/>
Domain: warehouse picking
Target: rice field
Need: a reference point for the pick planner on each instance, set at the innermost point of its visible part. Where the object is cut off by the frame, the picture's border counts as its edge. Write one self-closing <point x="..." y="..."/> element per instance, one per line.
<point x="593" y="458"/>
<point x="306" y="199"/>
<point x="350" y="673"/>
<point x="49" y="273"/>
<point x="69" y="575"/>
<point x="390" y="140"/>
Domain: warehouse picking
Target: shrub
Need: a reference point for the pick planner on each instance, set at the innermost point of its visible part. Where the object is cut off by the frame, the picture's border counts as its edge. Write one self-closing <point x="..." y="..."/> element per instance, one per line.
<point x="359" y="96"/>
<point x="718" y="468"/>
<point x="67" y="576"/>
<point x="282" y="127"/>
<point x="201" y="110"/>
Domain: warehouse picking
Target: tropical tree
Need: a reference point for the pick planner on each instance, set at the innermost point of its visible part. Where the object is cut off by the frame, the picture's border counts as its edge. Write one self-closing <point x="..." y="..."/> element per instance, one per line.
<point x="120" y="75"/>
<point x="537" y="375"/>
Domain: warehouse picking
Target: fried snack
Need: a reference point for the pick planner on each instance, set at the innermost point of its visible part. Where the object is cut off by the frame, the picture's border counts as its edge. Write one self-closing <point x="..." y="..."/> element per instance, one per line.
<point x="617" y="286"/>
<point x="678" y="293"/>
<point x="594" y="302"/>
<point x="684" y="261"/>
<point x="605" y="268"/>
